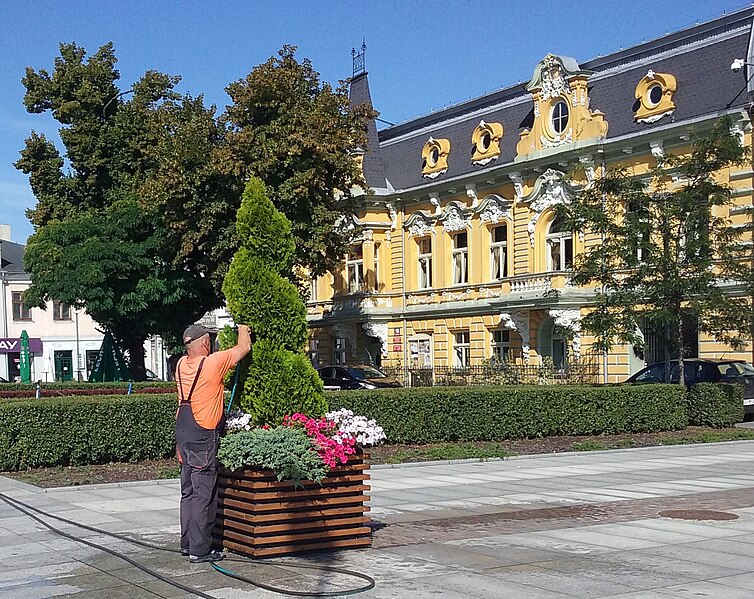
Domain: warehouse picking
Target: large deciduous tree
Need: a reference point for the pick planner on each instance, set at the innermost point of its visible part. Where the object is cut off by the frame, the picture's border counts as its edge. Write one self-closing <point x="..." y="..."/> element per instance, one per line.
<point x="664" y="248"/>
<point x="132" y="221"/>
<point x="297" y="134"/>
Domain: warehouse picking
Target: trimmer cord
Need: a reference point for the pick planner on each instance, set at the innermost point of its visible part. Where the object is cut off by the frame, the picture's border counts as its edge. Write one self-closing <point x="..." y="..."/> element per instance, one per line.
<point x="28" y="509"/>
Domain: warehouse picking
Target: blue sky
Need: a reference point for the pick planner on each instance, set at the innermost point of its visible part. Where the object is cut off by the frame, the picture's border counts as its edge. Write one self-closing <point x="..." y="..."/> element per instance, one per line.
<point x="421" y="56"/>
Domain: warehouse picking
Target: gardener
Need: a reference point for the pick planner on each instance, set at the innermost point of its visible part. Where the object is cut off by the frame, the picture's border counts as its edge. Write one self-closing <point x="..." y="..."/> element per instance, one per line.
<point x="199" y="420"/>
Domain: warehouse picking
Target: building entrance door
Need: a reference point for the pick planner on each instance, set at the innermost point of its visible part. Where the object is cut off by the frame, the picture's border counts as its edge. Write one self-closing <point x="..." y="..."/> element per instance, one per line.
<point x="64" y="365"/>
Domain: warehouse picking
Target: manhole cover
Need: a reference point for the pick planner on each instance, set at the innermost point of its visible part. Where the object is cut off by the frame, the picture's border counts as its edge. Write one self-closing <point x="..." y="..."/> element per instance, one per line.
<point x="698" y="515"/>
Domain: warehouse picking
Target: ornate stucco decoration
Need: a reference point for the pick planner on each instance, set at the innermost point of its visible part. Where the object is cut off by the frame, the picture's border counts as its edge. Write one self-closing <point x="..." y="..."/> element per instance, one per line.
<point x="518" y="184"/>
<point x="454" y="218"/>
<point x="654" y="97"/>
<point x="391" y="210"/>
<point x="494" y="209"/>
<point x="419" y="224"/>
<point x="737" y="130"/>
<point x="657" y="149"/>
<point x="435" y="157"/>
<point x="434" y="199"/>
<point x="561" y="107"/>
<point x="550" y="189"/>
<point x="518" y="321"/>
<point x="570" y="320"/>
<point x="378" y="330"/>
<point x="485" y="142"/>
<point x="471" y="194"/>
<point x="587" y="163"/>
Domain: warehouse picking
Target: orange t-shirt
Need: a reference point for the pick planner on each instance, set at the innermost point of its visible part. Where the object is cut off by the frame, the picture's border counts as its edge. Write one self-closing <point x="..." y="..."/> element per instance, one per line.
<point x="207" y="400"/>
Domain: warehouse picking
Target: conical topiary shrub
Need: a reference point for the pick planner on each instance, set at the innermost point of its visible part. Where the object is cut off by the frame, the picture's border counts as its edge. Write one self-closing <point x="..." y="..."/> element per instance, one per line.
<point x="280" y="379"/>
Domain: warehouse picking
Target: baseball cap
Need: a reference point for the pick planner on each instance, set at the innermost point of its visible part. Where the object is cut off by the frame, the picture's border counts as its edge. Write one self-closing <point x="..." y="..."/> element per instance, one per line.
<point x="193" y="332"/>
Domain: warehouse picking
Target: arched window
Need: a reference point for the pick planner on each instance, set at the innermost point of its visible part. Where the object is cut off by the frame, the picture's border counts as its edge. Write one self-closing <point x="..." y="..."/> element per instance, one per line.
<point x="559" y="245"/>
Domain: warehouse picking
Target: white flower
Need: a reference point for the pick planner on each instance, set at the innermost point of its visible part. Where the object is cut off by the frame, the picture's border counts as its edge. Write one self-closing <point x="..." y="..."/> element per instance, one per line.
<point x="365" y="431"/>
<point x="238" y="421"/>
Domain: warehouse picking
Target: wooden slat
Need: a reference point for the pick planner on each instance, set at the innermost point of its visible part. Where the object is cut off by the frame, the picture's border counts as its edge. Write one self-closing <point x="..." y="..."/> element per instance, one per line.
<point x="260" y="516"/>
<point x="266" y="529"/>
<point x="297" y="517"/>
<point x="291" y="496"/>
<point x="296" y="548"/>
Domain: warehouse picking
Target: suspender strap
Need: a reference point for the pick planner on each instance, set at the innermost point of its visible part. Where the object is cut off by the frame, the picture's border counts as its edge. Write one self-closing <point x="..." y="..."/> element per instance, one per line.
<point x="185" y="400"/>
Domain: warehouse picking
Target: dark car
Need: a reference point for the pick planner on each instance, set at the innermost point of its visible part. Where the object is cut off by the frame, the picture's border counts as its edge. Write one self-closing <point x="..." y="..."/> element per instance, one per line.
<point x="699" y="370"/>
<point x="355" y="377"/>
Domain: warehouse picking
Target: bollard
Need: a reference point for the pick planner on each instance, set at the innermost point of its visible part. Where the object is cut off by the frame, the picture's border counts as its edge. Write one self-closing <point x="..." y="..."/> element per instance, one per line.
<point x="130" y="387"/>
<point x="39" y="390"/>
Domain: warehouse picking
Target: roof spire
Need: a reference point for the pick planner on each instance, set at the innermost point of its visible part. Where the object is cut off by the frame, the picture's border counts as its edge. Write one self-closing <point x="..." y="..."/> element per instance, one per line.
<point x="359" y="60"/>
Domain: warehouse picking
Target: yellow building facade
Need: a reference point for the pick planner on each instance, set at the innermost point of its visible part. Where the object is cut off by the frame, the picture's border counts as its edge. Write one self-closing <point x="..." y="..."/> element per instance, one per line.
<point x="458" y="257"/>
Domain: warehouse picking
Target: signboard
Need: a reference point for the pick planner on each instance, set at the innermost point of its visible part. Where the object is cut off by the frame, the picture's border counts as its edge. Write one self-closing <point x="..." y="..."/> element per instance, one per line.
<point x="12" y="345"/>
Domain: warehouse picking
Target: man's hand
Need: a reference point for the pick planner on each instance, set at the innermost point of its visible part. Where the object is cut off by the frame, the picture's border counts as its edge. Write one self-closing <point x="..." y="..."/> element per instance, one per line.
<point x="243" y="346"/>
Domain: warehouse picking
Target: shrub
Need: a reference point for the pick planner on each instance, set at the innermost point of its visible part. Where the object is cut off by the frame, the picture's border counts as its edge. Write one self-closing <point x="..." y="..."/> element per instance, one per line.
<point x="280" y="383"/>
<point x="717" y="405"/>
<point x="436" y="414"/>
<point x="280" y="380"/>
<point x="75" y="431"/>
<point x="287" y="451"/>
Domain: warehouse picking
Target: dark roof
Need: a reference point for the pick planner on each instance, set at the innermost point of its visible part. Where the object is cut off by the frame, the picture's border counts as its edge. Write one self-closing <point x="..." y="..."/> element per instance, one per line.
<point x="698" y="57"/>
<point x="11" y="256"/>
<point x="359" y="94"/>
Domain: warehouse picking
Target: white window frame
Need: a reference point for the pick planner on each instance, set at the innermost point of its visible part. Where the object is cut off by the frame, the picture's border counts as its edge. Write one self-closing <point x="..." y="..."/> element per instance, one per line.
<point x="460" y="259"/>
<point x="313" y="291"/>
<point x="563" y="240"/>
<point x="20" y="312"/>
<point x="461" y="349"/>
<point x="59" y="311"/>
<point x="499" y="252"/>
<point x="559" y="118"/>
<point x="314" y="352"/>
<point x="501" y="345"/>
<point x="376" y="266"/>
<point x="355" y="269"/>
<point x="339" y="353"/>
<point x="424" y="264"/>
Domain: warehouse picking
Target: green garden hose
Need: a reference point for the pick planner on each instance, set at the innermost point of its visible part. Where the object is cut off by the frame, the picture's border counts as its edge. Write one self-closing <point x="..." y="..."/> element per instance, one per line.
<point x="27" y="510"/>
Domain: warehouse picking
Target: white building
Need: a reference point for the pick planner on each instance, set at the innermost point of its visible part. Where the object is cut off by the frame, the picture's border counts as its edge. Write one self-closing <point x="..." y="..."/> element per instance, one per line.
<point x="64" y="340"/>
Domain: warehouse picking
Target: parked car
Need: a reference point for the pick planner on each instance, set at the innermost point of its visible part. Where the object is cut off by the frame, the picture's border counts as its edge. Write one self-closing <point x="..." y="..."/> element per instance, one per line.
<point x="355" y="377"/>
<point x="151" y="376"/>
<point x="700" y="370"/>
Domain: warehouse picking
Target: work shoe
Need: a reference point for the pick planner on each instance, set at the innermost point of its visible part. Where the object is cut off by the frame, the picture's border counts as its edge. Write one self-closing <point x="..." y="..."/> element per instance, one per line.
<point x="185" y="552"/>
<point x="212" y="556"/>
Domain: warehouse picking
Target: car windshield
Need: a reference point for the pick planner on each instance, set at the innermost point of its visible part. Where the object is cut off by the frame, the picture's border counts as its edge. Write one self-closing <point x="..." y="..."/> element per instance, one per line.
<point x="365" y="372"/>
<point x="729" y="369"/>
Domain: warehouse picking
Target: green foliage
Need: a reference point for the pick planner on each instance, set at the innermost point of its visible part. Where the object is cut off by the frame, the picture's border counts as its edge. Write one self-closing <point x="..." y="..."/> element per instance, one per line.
<point x="294" y="132"/>
<point x="717" y="405"/>
<point x="70" y="387"/>
<point x="135" y="227"/>
<point x="661" y="248"/>
<point x="268" y="303"/>
<point x="435" y="414"/>
<point x="279" y="383"/>
<point x="81" y="430"/>
<point x="289" y="452"/>
<point x="280" y="380"/>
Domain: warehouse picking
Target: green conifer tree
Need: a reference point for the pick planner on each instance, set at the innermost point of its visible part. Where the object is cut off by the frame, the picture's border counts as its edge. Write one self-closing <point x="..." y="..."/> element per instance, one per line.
<point x="280" y="379"/>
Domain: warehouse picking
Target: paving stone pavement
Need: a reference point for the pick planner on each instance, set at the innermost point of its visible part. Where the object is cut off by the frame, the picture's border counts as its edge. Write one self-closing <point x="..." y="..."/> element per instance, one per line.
<point x="584" y="525"/>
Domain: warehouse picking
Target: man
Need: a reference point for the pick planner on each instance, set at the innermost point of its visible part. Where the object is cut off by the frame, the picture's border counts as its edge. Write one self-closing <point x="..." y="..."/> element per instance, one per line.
<point x="200" y="375"/>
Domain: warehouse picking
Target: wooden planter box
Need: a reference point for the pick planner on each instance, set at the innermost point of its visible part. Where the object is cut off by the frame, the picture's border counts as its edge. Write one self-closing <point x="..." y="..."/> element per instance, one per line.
<point x="261" y="517"/>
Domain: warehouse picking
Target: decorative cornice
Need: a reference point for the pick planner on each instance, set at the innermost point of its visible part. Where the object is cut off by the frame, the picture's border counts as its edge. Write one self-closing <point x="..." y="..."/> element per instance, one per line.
<point x="454" y="218"/>
<point x="550" y="189"/>
<point x="494" y="209"/>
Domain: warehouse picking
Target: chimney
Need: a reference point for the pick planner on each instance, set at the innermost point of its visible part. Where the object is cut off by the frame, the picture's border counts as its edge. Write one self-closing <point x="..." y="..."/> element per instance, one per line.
<point x="5" y="232"/>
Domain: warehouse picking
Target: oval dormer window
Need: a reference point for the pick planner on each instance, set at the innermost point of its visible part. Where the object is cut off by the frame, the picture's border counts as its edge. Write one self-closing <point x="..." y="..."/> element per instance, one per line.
<point x="654" y="95"/>
<point x="560" y="117"/>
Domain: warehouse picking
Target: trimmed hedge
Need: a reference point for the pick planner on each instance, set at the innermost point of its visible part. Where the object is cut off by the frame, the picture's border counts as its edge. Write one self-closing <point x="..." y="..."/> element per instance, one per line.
<point x="717" y="405"/>
<point x="436" y="414"/>
<point x="86" y="430"/>
<point x="75" y="385"/>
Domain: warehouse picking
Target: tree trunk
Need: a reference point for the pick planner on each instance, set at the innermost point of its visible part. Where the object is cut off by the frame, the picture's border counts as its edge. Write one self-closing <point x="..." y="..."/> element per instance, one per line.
<point x="135" y="347"/>
<point x="681" y="350"/>
<point x="666" y="350"/>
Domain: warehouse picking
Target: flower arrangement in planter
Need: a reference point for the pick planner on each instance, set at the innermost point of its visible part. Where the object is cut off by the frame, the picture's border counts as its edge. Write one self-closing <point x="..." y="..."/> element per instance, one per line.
<point x="294" y="478"/>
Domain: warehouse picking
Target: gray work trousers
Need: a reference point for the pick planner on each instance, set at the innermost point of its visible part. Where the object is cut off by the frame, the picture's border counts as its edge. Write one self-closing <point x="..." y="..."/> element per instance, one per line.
<point x="197" y="449"/>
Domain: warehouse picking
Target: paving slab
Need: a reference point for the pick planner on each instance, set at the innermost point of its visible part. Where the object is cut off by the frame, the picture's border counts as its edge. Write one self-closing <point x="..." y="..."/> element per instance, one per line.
<point x="557" y="526"/>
